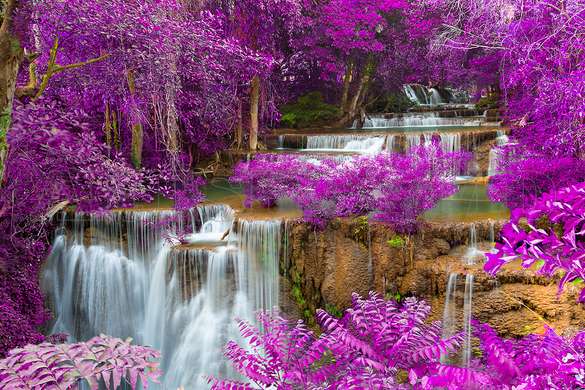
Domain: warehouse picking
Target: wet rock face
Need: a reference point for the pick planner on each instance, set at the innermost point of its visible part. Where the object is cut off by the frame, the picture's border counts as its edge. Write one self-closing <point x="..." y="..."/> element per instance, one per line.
<point x="330" y="265"/>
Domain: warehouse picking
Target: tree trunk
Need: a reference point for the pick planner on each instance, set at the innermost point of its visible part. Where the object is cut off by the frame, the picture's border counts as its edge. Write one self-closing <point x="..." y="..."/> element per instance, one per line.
<point x="359" y="97"/>
<point x="108" y="126"/>
<point x="346" y="84"/>
<point x="254" y="104"/>
<point x="11" y="55"/>
<point x="239" y="127"/>
<point x="137" y="131"/>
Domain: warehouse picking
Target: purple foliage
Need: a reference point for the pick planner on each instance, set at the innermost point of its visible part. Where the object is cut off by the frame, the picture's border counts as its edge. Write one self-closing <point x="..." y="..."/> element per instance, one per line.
<point x="366" y="348"/>
<point x="550" y="231"/>
<point x="104" y="360"/>
<point x="396" y="188"/>
<point x="525" y="179"/>
<point x="377" y="343"/>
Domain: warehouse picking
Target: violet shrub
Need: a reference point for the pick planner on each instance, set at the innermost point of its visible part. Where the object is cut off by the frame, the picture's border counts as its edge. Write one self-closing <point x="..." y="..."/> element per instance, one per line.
<point x="550" y="232"/>
<point x="395" y="188"/>
<point x="524" y="178"/>
<point x="103" y="360"/>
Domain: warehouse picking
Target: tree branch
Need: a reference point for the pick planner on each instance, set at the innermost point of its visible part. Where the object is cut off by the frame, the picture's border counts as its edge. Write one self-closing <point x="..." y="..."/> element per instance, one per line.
<point x="54" y="68"/>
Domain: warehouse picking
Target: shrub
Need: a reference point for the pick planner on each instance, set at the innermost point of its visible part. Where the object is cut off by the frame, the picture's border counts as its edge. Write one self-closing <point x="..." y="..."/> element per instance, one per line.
<point x="102" y="360"/>
<point x="308" y="110"/>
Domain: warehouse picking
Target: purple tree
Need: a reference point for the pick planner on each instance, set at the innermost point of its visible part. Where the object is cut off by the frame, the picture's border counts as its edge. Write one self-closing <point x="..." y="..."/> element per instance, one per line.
<point x="396" y="188"/>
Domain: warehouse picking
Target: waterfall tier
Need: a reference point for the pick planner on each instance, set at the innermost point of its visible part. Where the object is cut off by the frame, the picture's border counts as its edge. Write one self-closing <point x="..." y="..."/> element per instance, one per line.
<point x="419" y="119"/>
<point x="431" y="96"/>
<point x="120" y="275"/>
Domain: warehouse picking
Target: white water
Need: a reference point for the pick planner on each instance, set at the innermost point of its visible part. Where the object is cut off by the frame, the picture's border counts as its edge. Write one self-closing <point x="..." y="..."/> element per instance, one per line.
<point x="390" y="143"/>
<point x="494" y="156"/>
<point x="473" y="253"/>
<point x="183" y="302"/>
<point x="449" y="325"/>
<point x="467" y="314"/>
<point x="347" y="143"/>
<point x="425" y="96"/>
<point x="418" y="119"/>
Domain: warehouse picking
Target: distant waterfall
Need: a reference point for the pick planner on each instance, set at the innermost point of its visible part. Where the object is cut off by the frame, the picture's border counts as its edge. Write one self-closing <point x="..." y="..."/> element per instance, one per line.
<point x="425" y="96"/>
<point x="130" y="282"/>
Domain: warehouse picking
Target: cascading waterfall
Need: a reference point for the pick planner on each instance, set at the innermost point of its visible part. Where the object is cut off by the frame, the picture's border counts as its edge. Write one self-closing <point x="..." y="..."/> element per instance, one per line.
<point x="348" y="143"/>
<point x="467" y="306"/>
<point x="131" y="282"/>
<point x="419" y="119"/>
<point x="364" y="144"/>
<point x="425" y="96"/>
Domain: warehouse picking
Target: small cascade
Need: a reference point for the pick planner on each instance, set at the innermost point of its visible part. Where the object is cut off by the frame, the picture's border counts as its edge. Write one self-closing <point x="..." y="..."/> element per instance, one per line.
<point x="216" y="220"/>
<point x="347" y="143"/>
<point x="467" y="314"/>
<point x="492" y="232"/>
<point x="131" y="282"/>
<point x="450" y="318"/>
<point x="281" y="142"/>
<point x="449" y="313"/>
<point x="473" y="254"/>
<point x="450" y="142"/>
<point x="414" y="140"/>
<point x="495" y="153"/>
<point x="425" y="96"/>
<point x="390" y="143"/>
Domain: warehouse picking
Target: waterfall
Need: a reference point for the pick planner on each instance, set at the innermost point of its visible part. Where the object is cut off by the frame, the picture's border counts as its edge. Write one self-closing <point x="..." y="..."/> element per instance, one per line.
<point x="467" y="306"/>
<point x="281" y="142"/>
<point x="413" y="140"/>
<point x="495" y="153"/>
<point x="435" y="97"/>
<point x="492" y="232"/>
<point x="450" y="142"/>
<point x="493" y="162"/>
<point x="390" y="143"/>
<point x="449" y="318"/>
<point x="180" y="300"/>
<point x="418" y="119"/>
<point x="425" y="96"/>
<point x="347" y="143"/>
<point x="473" y="253"/>
<point x="502" y="139"/>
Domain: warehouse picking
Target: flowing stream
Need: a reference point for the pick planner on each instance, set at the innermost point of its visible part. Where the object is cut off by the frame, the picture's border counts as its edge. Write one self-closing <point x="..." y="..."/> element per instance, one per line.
<point x="120" y="275"/>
